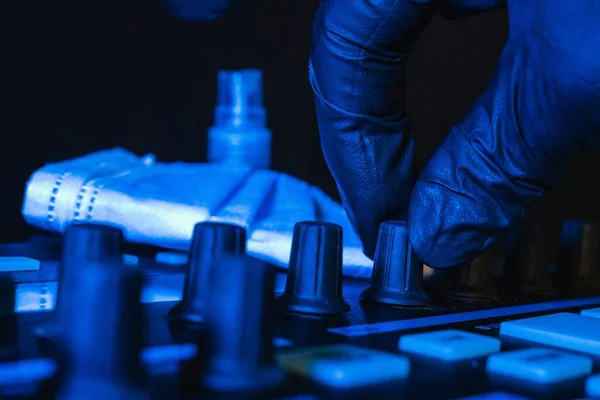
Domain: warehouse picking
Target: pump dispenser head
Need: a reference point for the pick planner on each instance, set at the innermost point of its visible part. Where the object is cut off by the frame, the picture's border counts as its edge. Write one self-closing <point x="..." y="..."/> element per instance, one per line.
<point x="239" y="136"/>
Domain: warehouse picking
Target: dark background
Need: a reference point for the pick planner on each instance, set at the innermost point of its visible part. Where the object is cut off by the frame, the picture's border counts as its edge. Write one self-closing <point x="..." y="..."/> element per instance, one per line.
<point x="76" y="77"/>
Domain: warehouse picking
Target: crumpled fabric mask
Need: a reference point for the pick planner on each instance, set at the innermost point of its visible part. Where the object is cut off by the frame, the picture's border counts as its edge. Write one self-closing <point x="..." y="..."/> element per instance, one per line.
<point x="159" y="203"/>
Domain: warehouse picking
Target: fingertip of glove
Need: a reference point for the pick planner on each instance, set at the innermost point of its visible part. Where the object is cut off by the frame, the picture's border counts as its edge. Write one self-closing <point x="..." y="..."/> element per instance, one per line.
<point x="438" y="229"/>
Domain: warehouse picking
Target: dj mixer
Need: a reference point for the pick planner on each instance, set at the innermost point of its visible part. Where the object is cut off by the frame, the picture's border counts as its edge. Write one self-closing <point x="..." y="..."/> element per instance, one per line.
<point x="89" y="316"/>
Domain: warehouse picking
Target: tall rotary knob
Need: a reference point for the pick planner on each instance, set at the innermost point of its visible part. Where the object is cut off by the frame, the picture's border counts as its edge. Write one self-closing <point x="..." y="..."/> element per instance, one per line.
<point x="472" y="282"/>
<point x="209" y="241"/>
<point x="84" y="245"/>
<point x="237" y="351"/>
<point x="397" y="273"/>
<point x="314" y="279"/>
<point x="527" y="262"/>
<point x="578" y="258"/>
<point x="101" y="325"/>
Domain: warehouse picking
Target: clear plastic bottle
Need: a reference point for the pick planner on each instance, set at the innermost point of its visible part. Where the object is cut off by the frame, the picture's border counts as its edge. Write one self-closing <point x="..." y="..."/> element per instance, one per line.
<point x="239" y="136"/>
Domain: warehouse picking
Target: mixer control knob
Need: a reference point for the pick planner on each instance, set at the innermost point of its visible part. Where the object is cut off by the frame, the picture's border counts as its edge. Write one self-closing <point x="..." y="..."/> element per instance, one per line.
<point x="314" y="279"/>
<point x="209" y="240"/>
<point x="101" y="340"/>
<point x="528" y="260"/>
<point x="472" y="282"/>
<point x="397" y="273"/>
<point x="578" y="259"/>
<point x="238" y="347"/>
<point x="84" y="245"/>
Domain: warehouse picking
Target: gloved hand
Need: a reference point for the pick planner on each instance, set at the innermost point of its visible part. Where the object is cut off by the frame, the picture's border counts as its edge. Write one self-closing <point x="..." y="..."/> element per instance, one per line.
<point x="199" y="10"/>
<point x="541" y="109"/>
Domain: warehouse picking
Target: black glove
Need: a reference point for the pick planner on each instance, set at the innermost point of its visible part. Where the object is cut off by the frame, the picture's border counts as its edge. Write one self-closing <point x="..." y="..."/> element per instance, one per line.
<point x="542" y="109"/>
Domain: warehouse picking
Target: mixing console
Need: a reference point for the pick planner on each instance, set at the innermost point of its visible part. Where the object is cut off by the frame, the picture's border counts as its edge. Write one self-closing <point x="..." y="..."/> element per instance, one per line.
<point x="88" y="316"/>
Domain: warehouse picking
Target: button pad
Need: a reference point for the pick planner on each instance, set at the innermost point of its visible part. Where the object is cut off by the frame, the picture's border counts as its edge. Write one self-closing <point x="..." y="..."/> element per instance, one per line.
<point x="344" y="366"/>
<point x="564" y="330"/>
<point x="539" y="365"/>
<point x="449" y="345"/>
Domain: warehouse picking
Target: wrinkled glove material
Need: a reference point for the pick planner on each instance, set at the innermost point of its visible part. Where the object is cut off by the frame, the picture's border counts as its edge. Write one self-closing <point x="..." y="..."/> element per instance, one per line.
<point x="540" y="111"/>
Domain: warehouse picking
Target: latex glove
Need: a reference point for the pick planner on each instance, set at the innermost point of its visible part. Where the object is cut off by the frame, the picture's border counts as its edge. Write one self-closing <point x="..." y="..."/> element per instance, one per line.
<point x="542" y="109"/>
<point x="199" y="10"/>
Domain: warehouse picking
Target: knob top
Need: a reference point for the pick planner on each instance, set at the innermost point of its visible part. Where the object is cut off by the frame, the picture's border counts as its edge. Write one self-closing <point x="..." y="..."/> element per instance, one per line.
<point x="83" y="242"/>
<point x="212" y="238"/>
<point x="84" y="246"/>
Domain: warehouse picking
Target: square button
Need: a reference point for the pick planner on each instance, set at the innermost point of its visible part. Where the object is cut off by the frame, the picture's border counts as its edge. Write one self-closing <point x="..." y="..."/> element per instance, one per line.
<point x="449" y="345"/>
<point x="344" y="366"/>
<point x="564" y="330"/>
<point x="539" y="365"/>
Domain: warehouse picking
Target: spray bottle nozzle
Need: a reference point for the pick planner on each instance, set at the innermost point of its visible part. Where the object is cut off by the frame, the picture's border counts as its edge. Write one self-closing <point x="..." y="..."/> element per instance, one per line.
<point x="239" y="101"/>
<point x="239" y="136"/>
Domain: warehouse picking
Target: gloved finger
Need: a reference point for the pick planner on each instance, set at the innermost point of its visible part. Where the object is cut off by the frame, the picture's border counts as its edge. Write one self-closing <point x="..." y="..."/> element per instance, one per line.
<point x="199" y="10"/>
<point x="357" y="71"/>
<point x="520" y="137"/>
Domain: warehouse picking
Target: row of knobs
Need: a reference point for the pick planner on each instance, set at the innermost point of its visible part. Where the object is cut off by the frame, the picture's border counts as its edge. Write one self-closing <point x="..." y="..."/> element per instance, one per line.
<point x="97" y="334"/>
<point x="531" y="264"/>
<point x="228" y="299"/>
<point x="523" y="268"/>
<point x="226" y="304"/>
<point x="314" y="280"/>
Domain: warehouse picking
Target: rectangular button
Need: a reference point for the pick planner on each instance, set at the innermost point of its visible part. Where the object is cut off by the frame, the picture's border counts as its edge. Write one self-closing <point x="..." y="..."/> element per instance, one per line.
<point x="565" y="330"/>
<point x="344" y="366"/>
<point x="539" y="365"/>
<point x="449" y="345"/>
<point x="15" y="264"/>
